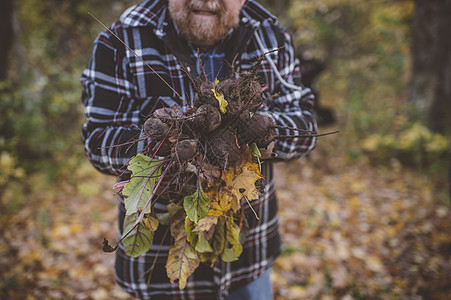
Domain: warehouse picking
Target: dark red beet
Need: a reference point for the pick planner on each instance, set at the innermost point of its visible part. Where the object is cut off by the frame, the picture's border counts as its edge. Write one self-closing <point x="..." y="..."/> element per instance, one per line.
<point x="260" y="130"/>
<point x="209" y="118"/>
<point x="155" y="128"/>
<point x="222" y="148"/>
<point x="206" y="96"/>
<point x="225" y="87"/>
<point x="168" y="113"/>
<point x="161" y="148"/>
<point x="255" y="93"/>
<point x="184" y="150"/>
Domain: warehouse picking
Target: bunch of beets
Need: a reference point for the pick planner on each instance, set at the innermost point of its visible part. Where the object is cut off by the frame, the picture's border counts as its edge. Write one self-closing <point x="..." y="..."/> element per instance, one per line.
<point x="203" y="162"/>
<point x="222" y="124"/>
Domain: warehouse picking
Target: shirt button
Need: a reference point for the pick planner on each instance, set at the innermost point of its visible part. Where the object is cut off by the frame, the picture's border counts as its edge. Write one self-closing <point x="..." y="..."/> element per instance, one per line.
<point x="244" y="20"/>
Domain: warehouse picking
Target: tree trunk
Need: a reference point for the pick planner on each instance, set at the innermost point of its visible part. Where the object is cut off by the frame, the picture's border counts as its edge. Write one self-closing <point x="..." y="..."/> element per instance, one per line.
<point x="431" y="55"/>
<point x="280" y="8"/>
<point x="6" y="35"/>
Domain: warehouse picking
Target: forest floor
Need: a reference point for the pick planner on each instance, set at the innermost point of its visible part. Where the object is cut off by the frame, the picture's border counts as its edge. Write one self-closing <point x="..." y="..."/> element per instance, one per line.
<point x="350" y="231"/>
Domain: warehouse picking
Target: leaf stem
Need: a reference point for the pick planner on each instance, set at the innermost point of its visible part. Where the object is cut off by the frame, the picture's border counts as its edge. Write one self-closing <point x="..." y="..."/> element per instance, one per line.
<point x="255" y="213"/>
<point x="304" y="135"/>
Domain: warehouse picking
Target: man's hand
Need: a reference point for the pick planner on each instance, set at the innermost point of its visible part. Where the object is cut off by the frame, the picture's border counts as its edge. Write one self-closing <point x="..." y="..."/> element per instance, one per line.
<point x="267" y="153"/>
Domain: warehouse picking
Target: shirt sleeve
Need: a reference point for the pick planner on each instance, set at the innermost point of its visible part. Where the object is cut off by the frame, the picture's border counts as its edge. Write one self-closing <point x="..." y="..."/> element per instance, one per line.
<point x="292" y="105"/>
<point x="111" y="132"/>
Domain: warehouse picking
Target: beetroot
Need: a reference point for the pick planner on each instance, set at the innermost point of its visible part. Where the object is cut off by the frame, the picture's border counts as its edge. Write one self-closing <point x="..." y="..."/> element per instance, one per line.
<point x="206" y="133"/>
<point x="161" y="148"/>
<point x="222" y="148"/>
<point x="205" y="96"/>
<point x="260" y="130"/>
<point x="184" y="150"/>
<point x="168" y="113"/>
<point x="209" y="118"/>
<point x="155" y="128"/>
<point x="226" y="86"/>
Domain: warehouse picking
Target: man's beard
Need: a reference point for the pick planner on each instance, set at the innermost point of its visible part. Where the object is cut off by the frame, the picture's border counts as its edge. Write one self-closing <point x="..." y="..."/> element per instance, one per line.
<point x="203" y="32"/>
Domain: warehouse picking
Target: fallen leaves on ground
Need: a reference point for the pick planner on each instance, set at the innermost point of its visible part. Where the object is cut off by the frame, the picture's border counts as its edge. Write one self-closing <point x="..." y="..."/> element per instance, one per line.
<point x="51" y="248"/>
<point x="360" y="232"/>
<point x="350" y="231"/>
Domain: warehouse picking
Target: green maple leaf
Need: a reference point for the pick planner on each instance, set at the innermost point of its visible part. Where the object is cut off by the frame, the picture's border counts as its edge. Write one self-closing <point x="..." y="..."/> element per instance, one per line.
<point x="145" y="173"/>
<point x="139" y="238"/>
<point x="197" y="204"/>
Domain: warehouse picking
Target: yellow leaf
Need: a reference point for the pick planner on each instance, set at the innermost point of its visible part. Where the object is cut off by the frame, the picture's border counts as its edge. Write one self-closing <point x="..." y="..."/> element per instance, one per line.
<point x="182" y="258"/>
<point x="374" y="263"/>
<point x="238" y="184"/>
<point x="220" y="97"/>
<point x="206" y="223"/>
<point x="76" y="228"/>
<point x="182" y="261"/>
<point x="221" y="201"/>
<point x="244" y="183"/>
<point x="232" y="247"/>
<point x="151" y="223"/>
<point x="61" y="231"/>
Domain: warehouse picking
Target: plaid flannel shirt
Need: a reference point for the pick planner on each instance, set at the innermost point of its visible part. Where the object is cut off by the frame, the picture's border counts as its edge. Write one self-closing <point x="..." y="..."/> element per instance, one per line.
<point x="120" y="92"/>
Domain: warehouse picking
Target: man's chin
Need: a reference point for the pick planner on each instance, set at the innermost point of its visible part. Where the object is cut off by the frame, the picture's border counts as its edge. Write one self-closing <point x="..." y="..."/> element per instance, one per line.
<point x="204" y="34"/>
<point x="204" y="30"/>
<point x="204" y="41"/>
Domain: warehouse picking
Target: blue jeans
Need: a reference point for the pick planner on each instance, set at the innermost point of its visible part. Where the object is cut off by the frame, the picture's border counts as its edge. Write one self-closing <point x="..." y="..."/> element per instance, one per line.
<point x="259" y="289"/>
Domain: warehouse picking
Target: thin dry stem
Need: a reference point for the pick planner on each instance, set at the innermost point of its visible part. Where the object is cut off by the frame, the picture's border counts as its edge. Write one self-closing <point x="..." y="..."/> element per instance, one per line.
<point x="249" y="203"/>
<point x="203" y="73"/>
<point x="304" y="135"/>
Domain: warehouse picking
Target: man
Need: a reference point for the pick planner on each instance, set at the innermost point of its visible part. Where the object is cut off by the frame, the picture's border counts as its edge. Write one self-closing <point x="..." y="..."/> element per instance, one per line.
<point x="120" y="92"/>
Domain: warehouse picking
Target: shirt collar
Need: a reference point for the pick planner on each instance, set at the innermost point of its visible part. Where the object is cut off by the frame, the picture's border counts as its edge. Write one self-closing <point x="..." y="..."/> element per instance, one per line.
<point x="148" y="13"/>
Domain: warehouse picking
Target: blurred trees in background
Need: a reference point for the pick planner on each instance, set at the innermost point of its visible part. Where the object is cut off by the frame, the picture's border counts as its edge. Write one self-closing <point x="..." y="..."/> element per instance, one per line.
<point x="48" y="43"/>
<point x="370" y="79"/>
<point x="431" y="53"/>
<point x="6" y="34"/>
<point x="371" y="76"/>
